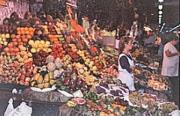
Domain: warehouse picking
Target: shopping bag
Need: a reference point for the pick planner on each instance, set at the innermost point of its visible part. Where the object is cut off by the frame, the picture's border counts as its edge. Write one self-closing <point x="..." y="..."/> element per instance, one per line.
<point x="10" y="107"/>
<point x="175" y="113"/>
<point x="21" y="110"/>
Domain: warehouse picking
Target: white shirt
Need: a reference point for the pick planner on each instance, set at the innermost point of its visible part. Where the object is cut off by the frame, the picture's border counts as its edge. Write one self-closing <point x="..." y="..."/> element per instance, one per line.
<point x="124" y="75"/>
<point x="170" y="65"/>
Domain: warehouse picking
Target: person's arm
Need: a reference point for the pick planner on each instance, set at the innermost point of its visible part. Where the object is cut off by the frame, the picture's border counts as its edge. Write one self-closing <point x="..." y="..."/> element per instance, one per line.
<point x="170" y="54"/>
<point x="125" y="64"/>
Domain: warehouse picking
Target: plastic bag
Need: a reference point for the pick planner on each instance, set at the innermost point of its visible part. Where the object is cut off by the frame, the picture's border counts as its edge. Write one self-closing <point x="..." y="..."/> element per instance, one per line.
<point x="10" y="107"/>
<point x="21" y="110"/>
<point x="175" y="113"/>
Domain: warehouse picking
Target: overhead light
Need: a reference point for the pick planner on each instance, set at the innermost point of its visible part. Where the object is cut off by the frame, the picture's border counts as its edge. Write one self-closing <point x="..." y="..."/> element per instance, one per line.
<point x="175" y="27"/>
<point x="160" y="12"/>
<point x="160" y="16"/>
<point x="160" y="7"/>
<point x="161" y="0"/>
<point x="160" y="21"/>
<point x="162" y="27"/>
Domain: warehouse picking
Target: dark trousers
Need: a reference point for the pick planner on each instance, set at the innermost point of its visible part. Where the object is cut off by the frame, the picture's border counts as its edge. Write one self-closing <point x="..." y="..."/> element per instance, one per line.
<point x="175" y="89"/>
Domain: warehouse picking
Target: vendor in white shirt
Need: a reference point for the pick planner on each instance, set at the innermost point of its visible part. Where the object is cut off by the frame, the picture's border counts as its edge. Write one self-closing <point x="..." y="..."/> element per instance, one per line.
<point x="170" y="65"/>
<point x="125" y="63"/>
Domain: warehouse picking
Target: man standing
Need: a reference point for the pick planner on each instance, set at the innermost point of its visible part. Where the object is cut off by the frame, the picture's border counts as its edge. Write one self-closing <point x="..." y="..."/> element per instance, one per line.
<point x="170" y="65"/>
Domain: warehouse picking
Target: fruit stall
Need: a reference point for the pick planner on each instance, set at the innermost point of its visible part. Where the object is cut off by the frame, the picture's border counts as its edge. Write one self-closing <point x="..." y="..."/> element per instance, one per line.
<point x="64" y="67"/>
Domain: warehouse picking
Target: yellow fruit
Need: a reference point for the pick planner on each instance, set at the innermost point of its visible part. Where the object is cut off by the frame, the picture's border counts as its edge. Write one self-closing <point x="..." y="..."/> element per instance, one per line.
<point x="40" y="86"/>
<point x="71" y="104"/>
<point x="33" y="50"/>
<point x="47" y="43"/>
<point x="40" y="79"/>
<point x="52" y="82"/>
<point x="25" y="57"/>
<point x="49" y="50"/>
<point x="31" y="42"/>
<point x="34" y="45"/>
<point x="103" y="114"/>
<point x="29" y="54"/>
<point x="21" y="59"/>
<point x="3" y="36"/>
<point x="85" y="68"/>
<point x="5" y="43"/>
<point x="40" y="46"/>
<point x="42" y="42"/>
<point x="87" y="60"/>
<point x="51" y="75"/>
<point x="22" y="48"/>
<point x="44" y="49"/>
<point x="37" y="42"/>
<point x="18" y="56"/>
<point x="46" y="85"/>
<point x="33" y="83"/>
<point x="46" y="78"/>
<point x="94" y="68"/>
<point x="36" y="76"/>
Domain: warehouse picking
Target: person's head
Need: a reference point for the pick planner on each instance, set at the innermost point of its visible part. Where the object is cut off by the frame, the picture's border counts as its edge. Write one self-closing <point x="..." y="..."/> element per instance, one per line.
<point x="6" y="21"/>
<point x="175" y="41"/>
<point x="27" y="15"/>
<point x="126" y="44"/>
<point x="14" y="16"/>
<point x="173" y="38"/>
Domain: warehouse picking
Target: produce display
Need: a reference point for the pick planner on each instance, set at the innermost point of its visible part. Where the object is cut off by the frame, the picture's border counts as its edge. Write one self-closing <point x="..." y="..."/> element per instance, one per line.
<point x="155" y="81"/>
<point x="51" y="55"/>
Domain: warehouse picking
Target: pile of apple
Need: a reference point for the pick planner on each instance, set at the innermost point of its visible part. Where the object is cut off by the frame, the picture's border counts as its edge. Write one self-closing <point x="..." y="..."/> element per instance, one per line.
<point x="58" y="51"/>
<point x="54" y="38"/>
<point x="12" y="49"/>
<point x="16" y="44"/>
<point x="71" y="50"/>
<point x="9" y="69"/>
<point x="25" y="31"/>
<point x="20" y="39"/>
<point x="24" y="56"/>
<point x="25" y="74"/>
<point x="39" y="58"/>
<point x="110" y="71"/>
<point x="99" y="62"/>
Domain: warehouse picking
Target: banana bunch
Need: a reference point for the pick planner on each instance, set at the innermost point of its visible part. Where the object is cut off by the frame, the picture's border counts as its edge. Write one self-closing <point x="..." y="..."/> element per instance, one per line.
<point x="43" y="81"/>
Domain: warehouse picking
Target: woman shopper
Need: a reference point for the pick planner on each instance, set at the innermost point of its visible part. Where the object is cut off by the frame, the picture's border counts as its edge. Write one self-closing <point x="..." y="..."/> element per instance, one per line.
<point x="170" y="65"/>
<point x="125" y="63"/>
